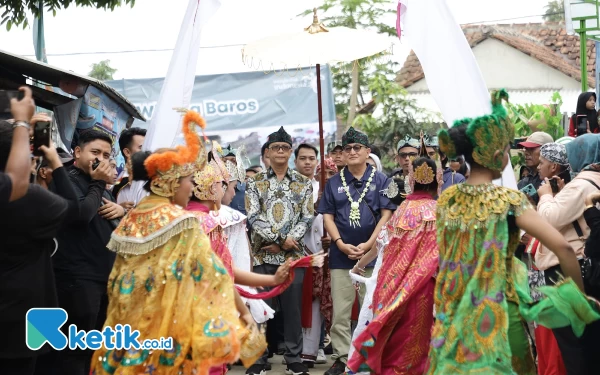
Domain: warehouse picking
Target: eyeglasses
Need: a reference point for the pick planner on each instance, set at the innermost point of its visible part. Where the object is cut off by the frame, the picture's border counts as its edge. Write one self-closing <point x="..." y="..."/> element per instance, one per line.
<point x="280" y="147"/>
<point x="404" y="155"/>
<point x="356" y="148"/>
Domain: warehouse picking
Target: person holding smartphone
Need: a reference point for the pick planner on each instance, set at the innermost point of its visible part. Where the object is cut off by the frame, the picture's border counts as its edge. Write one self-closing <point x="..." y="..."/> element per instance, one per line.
<point x="14" y="179"/>
<point x="585" y="119"/>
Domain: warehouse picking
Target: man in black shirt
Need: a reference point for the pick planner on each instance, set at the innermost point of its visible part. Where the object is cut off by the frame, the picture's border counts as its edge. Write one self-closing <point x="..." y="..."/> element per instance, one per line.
<point x="82" y="263"/>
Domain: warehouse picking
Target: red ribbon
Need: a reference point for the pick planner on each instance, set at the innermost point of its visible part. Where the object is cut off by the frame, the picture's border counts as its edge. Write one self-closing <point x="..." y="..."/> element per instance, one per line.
<point x="300" y="263"/>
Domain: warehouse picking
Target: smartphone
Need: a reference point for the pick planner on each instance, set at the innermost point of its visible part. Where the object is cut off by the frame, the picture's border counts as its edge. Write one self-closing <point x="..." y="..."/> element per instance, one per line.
<point x="41" y="136"/>
<point x="529" y="190"/>
<point x="554" y="185"/>
<point x="95" y="164"/>
<point x="581" y="125"/>
<point x="6" y="96"/>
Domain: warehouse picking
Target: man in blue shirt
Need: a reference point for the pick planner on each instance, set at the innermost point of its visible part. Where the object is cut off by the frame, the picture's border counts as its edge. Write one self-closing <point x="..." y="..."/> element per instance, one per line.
<point x="355" y="208"/>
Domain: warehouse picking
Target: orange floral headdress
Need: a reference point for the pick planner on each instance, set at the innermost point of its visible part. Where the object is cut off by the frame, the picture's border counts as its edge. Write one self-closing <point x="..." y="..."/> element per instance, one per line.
<point x="166" y="168"/>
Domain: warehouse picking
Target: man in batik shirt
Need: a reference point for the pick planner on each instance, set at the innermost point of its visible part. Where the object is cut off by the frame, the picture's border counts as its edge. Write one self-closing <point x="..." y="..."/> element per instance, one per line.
<point x="279" y="203"/>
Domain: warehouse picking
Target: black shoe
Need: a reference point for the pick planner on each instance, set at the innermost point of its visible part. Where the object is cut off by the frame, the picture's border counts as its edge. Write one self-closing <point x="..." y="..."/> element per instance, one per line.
<point x="268" y="366"/>
<point x="328" y="349"/>
<point x="256" y="370"/>
<point x="338" y="368"/>
<point x="296" y="368"/>
<point x="309" y="364"/>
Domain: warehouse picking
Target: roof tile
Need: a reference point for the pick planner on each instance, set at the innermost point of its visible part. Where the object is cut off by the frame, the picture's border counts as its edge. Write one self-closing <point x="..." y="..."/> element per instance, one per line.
<point x="547" y="42"/>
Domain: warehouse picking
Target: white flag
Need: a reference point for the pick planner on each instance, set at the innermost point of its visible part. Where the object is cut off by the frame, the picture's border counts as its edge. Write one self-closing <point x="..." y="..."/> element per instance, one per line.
<point x="179" y="82"/>
<point x="450" y="68"/>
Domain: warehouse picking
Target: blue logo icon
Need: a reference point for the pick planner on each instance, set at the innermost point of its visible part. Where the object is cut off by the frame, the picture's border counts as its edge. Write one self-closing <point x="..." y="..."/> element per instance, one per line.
<point x="42" y="325"/>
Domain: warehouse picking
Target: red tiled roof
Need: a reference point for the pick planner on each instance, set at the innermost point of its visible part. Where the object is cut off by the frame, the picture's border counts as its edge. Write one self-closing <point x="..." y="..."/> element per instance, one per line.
<point x="547" y="42"/>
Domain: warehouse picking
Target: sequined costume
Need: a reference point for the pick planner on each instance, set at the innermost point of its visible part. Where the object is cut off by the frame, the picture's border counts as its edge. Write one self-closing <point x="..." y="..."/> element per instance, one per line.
<point x="167" y="282"/>
<point x="396" y="340"/>
<point x="482" y="296"/>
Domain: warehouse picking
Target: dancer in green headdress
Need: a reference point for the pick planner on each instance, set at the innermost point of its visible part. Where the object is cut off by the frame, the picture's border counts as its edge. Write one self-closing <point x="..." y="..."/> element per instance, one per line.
<point x="481" y="295"/>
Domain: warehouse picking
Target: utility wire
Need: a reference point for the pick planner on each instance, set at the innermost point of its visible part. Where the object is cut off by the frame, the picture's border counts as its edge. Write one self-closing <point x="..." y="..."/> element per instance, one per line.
<point x="241" y="45"/>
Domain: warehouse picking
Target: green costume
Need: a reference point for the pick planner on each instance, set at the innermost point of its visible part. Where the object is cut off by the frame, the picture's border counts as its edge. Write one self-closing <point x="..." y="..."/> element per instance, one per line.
<point x="482" y="296"/>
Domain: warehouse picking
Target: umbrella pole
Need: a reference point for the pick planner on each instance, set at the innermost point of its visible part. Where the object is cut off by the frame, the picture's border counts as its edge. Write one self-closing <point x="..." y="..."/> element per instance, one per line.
<point x="321" y="137"/>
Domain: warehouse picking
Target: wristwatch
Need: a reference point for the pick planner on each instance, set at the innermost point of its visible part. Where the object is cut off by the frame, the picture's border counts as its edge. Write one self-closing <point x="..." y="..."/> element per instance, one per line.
<point x="24" y="124"/>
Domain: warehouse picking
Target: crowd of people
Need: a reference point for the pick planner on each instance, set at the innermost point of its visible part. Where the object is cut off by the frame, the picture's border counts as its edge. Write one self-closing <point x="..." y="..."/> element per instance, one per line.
<point x="433" y="269"/>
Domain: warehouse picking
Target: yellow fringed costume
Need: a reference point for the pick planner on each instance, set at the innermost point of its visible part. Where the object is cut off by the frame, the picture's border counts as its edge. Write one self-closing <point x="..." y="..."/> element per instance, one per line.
<point x="167" y="282"/>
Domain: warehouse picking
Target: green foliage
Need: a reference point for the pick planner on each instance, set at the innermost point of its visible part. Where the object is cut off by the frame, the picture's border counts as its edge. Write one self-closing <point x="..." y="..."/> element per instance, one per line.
<point x="355" y="14"/>
<point x="396" y="115"/>
<point x="545" y="117"/>
<point x="555" y="11"/>
<point x="15" y="11"/>
<point x="102" y="71"/>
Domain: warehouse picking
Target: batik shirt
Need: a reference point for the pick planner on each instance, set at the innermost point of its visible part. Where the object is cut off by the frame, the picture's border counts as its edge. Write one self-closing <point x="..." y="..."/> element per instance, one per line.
<point x="277" y="210"/>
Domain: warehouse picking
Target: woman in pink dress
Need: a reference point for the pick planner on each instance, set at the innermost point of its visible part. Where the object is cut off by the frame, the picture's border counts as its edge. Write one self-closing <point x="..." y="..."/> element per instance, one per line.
<point x="396" y="341"/>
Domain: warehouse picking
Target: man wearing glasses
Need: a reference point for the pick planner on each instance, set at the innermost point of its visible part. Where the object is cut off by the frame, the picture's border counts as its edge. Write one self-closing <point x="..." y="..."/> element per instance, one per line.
<point x="279" y="202"/>
<point x="355" y="207"/>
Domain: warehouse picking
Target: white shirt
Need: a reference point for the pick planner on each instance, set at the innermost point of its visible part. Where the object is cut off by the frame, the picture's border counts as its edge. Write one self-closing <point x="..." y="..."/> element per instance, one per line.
<point x="132" y="192"/>
<point x="315" y="185"/>
<point x="312" y="237"/>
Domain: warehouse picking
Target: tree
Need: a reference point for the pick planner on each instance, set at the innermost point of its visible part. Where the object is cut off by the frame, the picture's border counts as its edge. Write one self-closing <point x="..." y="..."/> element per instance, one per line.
<point x="15" y="10"/>
<point x="102" y="71"/>
<point x="355" y="14"/>
<point x="555" y="11"/>
<point x="395" y="116"/>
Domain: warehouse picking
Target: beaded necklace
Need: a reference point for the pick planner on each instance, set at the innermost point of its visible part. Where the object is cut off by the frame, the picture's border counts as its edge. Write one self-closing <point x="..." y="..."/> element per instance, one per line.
<point x="354" y="206"/>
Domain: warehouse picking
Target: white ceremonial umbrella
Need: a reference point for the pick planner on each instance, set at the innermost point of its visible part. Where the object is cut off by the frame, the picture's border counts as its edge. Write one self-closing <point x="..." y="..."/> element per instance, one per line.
<point x="315" y="45"/>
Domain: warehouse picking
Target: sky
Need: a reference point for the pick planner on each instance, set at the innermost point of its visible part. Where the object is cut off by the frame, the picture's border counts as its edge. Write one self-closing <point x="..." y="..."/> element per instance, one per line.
<point x="152" y="24"/>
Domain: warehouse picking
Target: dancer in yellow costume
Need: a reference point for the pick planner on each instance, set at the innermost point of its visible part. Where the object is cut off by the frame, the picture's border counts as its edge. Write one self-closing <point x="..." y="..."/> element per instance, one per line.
<point x="167" y="282"/>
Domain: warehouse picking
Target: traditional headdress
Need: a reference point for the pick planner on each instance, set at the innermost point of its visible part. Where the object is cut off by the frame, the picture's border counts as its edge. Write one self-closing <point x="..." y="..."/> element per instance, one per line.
<point x="329" y="164"/>
<point x="354" y="136"/>
<point x="424" y="174"/>
<point x="228" y="151"/>
<point x="487" y="134"/>
<point x="166" y="168"/>
<point x="215" y="171"/>
<point x="408" y="141"/>
<point x="431" y="141"/>
<point x="280" y="136"/>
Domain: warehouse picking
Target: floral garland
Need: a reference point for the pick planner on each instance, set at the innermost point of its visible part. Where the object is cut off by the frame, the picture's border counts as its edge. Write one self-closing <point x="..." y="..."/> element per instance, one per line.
<point x="354" y="206"/>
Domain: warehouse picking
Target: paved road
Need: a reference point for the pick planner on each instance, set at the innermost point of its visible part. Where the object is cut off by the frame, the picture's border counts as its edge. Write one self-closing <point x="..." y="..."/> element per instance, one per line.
<point x="279" y="369"/>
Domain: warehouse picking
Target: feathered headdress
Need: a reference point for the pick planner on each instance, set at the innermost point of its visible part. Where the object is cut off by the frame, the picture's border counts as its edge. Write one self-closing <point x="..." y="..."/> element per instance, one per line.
<point x="167" y="167"/>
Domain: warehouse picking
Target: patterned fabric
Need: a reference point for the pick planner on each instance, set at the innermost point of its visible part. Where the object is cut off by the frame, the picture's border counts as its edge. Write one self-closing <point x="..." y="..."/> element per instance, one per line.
<point x="329" y="164"/>
<point x="354" y="136"/>
<point x="482" y="296"/>
<point x="280" y="136"/>
<point x="403" y="299"/>
<point x="178" y="289"/>
<point x="554" y="153"/>
<point x="408" y="141"/>
<point x="278" y="209"/>
<point x="475" y="280"/>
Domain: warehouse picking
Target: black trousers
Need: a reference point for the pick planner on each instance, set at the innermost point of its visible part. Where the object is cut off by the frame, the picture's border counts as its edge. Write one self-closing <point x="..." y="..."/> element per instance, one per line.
<point x="86" y="302"/>
<point x="289" y="305"/>
<point x="581" y="355"/>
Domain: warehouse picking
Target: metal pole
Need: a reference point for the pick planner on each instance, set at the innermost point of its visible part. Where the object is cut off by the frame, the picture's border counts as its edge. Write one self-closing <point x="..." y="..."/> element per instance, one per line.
<point x="583" y="56"/>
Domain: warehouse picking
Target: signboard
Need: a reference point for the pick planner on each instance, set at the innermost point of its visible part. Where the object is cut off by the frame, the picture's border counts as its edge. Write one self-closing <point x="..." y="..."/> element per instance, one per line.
<point x="244" y="108"/>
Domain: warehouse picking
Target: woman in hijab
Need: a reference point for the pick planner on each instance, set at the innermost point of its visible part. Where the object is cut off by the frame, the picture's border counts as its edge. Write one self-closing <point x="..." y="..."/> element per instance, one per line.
<point x="374" y="161"/>
<point x="586" y="106"/>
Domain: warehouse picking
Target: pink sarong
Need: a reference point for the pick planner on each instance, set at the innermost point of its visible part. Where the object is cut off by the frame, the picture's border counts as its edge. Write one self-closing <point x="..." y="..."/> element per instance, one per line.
<point x="397" y="340"/>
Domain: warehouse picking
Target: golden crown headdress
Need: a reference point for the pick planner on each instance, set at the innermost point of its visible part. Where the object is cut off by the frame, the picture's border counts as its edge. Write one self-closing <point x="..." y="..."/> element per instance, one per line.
<point x="213" y="172"/>
<point x="167" y="167"/>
